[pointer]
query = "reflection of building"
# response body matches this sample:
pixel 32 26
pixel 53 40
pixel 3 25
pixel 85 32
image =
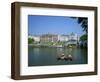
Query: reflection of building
pixel 49 38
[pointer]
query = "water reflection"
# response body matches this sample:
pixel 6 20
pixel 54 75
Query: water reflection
pixel 48 56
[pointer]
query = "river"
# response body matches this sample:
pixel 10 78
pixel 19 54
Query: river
pixel 48 56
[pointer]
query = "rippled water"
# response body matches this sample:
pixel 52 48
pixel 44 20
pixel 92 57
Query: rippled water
pixel 48 56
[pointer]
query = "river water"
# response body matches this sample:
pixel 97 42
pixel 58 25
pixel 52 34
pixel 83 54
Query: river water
pixel 48 56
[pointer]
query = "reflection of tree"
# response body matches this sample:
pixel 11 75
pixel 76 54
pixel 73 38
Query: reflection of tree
pixel 70 50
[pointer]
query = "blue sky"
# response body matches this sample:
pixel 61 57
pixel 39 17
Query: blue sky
pixel 38 25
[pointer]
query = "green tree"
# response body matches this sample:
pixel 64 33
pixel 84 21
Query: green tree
pixel 84 23
pixel 30 40
pixel 83 37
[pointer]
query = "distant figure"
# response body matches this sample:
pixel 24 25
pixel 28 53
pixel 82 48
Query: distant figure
pixel 61 57
pixel 70 56
pixel 62 54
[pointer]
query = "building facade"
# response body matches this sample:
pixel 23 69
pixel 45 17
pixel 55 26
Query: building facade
pixel 49 38
pixel 68 39
pixel 73 36
pixel 63 38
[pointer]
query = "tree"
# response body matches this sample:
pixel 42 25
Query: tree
pixel 83 37
pixel 30 40
pixel 83 40
pixel 84 23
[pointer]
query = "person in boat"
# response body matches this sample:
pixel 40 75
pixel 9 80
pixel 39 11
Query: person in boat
pixel 62 56
pixel 70 57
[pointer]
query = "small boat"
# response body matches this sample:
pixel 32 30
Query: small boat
pixel 63 57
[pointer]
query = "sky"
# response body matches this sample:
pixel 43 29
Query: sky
pixel 38 24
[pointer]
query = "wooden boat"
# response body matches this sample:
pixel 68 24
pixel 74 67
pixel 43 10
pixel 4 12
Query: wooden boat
pixel 63 57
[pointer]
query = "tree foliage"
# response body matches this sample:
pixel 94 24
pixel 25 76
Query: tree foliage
pixel 83 37
pixel 30 40
pixel 84 23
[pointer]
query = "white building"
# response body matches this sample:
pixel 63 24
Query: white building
pixel 49 38
pixel 55 38
pixel 63 38
pixel 70 39
pixel 73 36
pixel 36 38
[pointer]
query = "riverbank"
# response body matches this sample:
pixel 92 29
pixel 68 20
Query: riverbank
pixel 52 46
pixel 57 46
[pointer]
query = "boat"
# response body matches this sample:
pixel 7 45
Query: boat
pixel 63 57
